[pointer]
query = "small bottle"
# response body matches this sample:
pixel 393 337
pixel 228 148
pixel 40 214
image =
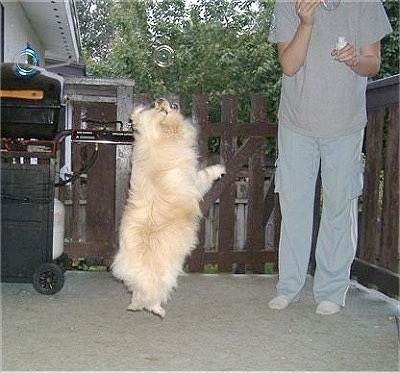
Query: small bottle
pixel 341 43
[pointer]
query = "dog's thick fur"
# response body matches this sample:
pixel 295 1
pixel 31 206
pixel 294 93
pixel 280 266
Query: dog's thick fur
pixel 160 222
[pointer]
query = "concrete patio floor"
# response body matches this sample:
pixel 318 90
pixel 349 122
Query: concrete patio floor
pixel 213 322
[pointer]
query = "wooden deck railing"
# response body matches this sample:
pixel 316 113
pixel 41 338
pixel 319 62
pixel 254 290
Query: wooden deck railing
pixel 377 262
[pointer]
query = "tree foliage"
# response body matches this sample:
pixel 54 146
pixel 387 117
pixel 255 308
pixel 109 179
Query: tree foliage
pixel 390 44
pixel 220 47
pixel 96 28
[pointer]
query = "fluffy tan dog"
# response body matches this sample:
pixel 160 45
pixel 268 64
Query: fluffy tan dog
pixel 160 222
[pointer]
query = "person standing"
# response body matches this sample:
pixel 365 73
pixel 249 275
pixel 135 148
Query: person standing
pixel 321 121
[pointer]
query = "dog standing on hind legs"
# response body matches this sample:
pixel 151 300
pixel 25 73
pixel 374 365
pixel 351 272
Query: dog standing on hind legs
pixel 160 221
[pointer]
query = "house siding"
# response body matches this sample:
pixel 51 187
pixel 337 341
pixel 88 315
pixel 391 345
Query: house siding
pixel 18 32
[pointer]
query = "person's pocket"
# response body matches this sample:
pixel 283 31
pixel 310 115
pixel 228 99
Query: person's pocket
pixel 277 178
pixel 356 181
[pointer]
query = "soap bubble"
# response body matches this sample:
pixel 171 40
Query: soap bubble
pixel 26 62
pixel 330 4
pixel 272 22
pixel 164 56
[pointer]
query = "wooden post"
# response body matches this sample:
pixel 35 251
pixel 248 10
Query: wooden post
pixel 76 162
pixel 373 148
pixel 228 146
pixel 200 119
pixel 255 226
pixel 389 243
pixel 123 154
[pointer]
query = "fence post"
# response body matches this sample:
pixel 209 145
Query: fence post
pixel 123 154
pixel 369 245
pixel 76 184
pixel 389 243
pixel 228 146
pixel 255 227
pixel 200 119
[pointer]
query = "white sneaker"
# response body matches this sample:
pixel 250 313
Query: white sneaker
pixel 279 303
pixel 327 308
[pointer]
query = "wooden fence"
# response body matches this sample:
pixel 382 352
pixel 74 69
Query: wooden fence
pixel 240 231
pixel 377 262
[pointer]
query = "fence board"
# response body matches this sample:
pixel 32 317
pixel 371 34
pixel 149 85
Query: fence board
pixel 228 146
pixel 390 212
pixel 255 227
pixel 369 249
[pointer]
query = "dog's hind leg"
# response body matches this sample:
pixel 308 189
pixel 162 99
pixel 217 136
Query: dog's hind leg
pixel 157 310
pixel 135 305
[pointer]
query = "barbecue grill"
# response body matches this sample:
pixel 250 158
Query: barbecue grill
pixel 32 220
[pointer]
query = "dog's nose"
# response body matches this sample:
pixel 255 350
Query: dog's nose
pixel 163 106
pixel 160 101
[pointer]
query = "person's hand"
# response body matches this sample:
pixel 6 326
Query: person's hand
pixel 305 10
pixel 348 55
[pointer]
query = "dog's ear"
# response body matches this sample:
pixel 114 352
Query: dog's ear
pixel 135 114
pixel 162 105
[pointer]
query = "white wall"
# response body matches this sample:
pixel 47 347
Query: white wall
pixel 18 32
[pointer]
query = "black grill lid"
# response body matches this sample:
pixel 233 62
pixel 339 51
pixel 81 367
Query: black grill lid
pixel 38 87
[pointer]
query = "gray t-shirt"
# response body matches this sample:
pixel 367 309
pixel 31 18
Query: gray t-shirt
pixel 326 98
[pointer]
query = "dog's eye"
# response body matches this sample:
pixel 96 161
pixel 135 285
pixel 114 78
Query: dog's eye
pixel 175 106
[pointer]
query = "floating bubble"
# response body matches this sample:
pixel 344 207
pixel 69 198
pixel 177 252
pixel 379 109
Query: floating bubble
pixel 26 62
pixel 330 4
pixel 272 22
pixel 164 56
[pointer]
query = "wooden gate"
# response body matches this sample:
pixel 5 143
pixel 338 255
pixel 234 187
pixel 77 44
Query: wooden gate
pixel 93 202
pixel 89 199
pixel 242 152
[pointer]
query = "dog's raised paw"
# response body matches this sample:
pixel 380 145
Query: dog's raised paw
pixel 219 170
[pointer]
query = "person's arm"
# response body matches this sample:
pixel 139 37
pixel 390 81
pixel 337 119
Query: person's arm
pixel 365 62
pixel 293 54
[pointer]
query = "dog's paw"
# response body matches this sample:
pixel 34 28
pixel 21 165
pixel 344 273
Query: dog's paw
pixel 158 310
pixel 135 306
pixel 219 170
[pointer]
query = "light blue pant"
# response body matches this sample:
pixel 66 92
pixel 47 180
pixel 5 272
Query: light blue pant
pixel 299 159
